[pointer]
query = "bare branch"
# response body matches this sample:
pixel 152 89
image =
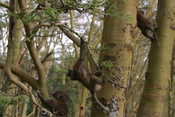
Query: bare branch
pixel 30 30
pixel 24 76
pixel 21 57
pixel 70 34
pixel 47 57
pixel 36 60
pixel 36 103
pixel 15 79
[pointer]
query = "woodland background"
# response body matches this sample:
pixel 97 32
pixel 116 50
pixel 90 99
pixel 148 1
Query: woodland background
pixel 41 40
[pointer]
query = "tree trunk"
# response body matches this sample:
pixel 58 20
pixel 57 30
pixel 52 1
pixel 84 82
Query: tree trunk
pixel 116 57
pixel 172 86
pixel 155 98
pixel 15 36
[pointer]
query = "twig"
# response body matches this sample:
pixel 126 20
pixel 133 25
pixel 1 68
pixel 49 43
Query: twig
pixel 47 57
pixel 37 104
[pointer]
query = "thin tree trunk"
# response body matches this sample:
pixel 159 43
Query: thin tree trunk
pixel 155 100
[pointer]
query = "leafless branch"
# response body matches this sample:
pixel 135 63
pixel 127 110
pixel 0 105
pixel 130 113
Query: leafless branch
pixel 70 34
pixel 24 76
pixel 30 44
pixel 35 102
pixel 22 56
pixel 47 57
pixel 15 79
pixel 36 60
pixel 21 75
